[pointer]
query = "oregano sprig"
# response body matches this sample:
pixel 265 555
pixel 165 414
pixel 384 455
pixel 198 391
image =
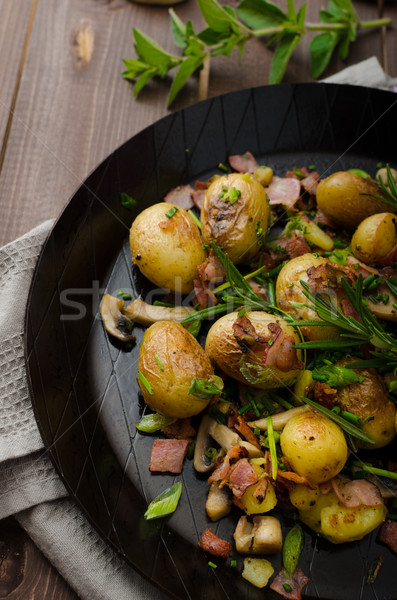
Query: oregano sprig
pixel 228 29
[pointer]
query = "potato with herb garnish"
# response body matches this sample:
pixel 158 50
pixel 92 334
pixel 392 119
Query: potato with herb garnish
pixel 166 245
pixel 375 237
pixel 235 215
pixel 175 375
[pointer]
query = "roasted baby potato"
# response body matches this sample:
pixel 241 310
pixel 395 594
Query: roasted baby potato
pixel 228 355
pixel 314 446
pixel 375 237
pixel 235 212
pixel 169 359
pixel 167 249
pixel 370 400
pixel 346 198
pixel 289 291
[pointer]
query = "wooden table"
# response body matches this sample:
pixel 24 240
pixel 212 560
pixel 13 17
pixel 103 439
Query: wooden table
pixel 64 107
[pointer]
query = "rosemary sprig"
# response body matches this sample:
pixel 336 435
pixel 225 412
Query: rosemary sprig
pixel 352 331
pixel 389 190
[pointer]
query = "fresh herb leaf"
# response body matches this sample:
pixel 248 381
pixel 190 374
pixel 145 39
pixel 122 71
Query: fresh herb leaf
pixel 292 548
pixel 336 376
pixel 165 503
pixel 282 55
pixel 127 201
pixel 153 422
pixel 260 14
pixel 321 49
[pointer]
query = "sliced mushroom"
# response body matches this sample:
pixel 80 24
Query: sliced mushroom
pixel 145 314
pixel 116 322
pixel 219 502
pixel 381 310
pixel 262 536
pixel 280 420
pixel 201 462
pixel 227 438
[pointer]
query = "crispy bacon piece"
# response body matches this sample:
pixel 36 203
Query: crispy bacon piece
pixel 296 581
pixel 327 275
pixel 295 478
pixel 211 543
pixel 388 535
pixel 243 163
pixel 349 310
pixel 281 354
pixel 285 191
pixel 296 246
pixel 205 296
pixel 246 431
pixel 222 471
pixel 320 217
pixel 310 183
pixel 245 333
pixel 325 395
pixel 357 493
pixel 258 289
pixel 241 476
pixel 180 196
pixel 361 269
pixel 180 430
pixel 168 455
pixel 211 269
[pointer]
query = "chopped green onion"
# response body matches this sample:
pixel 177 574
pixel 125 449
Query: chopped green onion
pixel 223 167
pixel 352 418
pixel 159 363
pixel 360 172
pixel 154 422
pixel 190 450
pixel 281 401
pixel 161 303
pixel 257 431
pixel 271 292
pixel 287 587
pixel 121 293
pixel 145 382
pixel 127 201
pixel 165 503
pixel 211 453
pixel 292 548
pixel 272 446
pixel 212 565
pixel 127 296
pixel 233 563
pixel 195 219
pixel 171 212
pixel 205 389
pixel 244 408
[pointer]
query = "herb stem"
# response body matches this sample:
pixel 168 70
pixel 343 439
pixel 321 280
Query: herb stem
pixel 204 78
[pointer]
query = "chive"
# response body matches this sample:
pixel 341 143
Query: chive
pixel 161 303
pixel 395 305
pixel 224 188
pixel 326 254
pixel 287 587
pixel 190 450
pixel 158 361
pixel 268 405
pixel 385 298
pixel 368 280
pixel 272 446
pixel 171 212
pixel 336 410
pixel 244 408
pixel 211 453
pixel 233 563
pixel 375 470
pixel 281 401
pixel 212 565
pixel 223 167
pixel 145 382
pixel 272 274
pixel 206 388
pixel 127 201
pixel 352 418
pixel 127 296
pixel 372 286
pixel 120 293
pixel 153 422
pixel 271 292
pixel 257 431
pixel 255 408
pixel 195 219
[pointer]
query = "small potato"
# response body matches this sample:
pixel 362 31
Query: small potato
pixel 224 350
pixel 255 507
pixel 346 198
pixel 167 250
pixel 257 571
pixel 314 446
pixel 304 498
pixel 375 237
pixel 369 399
pixel 234 212
pixel 341 524
pixel 169 358
pixel 312 517
pixel 289 291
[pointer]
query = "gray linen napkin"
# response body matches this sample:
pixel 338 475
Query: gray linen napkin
pixel 30 486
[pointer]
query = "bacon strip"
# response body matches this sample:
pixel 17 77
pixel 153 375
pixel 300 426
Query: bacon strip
pixel 246 431
pixel 211 543
pixel 181 196
pixel 295 478
pixel 357 493
pixel 281 354
pixel 168 455
pixel 243 163
pixel 296 581
pixel 222 471
pixel 285 191
pixel 388 535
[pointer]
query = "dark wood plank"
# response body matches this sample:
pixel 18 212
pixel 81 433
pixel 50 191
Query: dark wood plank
pixel 388 8
pixel 24 572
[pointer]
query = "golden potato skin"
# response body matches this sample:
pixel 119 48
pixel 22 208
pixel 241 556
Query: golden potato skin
pixel 233 226
pixel 289 291
pixel 375 237
pixel 168 256
pixel 314 446
pixel 225 352
pixel 342 197
pixel 182 358
pixel 370 399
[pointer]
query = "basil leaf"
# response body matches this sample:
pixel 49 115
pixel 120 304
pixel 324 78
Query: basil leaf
pixel 282 55
pixel 260 14
pixel 321 49
pixel 165 503
pixel 186 69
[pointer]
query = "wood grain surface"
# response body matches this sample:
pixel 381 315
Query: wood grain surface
pixel 64 107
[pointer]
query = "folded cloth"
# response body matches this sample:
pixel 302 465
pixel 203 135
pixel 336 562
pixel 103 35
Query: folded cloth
pixel 30 486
